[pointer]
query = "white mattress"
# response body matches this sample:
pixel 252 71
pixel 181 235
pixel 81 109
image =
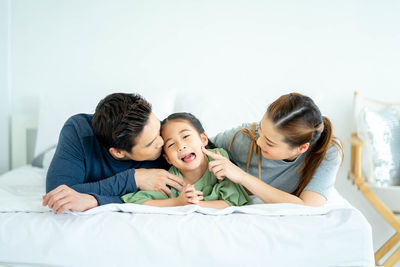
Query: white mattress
pixel 130 235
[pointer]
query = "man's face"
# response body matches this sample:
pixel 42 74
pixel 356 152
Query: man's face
pixel 149 143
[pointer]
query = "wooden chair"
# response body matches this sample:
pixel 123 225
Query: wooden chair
pixel 364 186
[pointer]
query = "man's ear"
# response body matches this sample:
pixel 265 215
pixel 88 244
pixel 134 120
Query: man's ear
pixel 204 139
pixel 167 158
pixel 303 148
pixel 116 153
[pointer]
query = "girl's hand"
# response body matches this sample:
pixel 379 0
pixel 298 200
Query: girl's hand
pixel 190 195
pixel 223 167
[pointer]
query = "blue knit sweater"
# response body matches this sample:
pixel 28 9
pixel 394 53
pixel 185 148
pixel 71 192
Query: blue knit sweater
pixel 81 163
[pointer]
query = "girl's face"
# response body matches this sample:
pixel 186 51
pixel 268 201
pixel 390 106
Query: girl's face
pixel 272 145
pixel 182 145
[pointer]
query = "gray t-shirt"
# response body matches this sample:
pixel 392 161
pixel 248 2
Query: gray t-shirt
pixel 278 173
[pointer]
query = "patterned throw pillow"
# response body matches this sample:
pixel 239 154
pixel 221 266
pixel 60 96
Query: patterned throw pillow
pixel 380 131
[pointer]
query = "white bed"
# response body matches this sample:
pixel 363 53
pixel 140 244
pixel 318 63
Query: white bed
pixel 129 234
pixel 336 234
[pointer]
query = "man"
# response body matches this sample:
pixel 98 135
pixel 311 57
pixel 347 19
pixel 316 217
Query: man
pixel 103 156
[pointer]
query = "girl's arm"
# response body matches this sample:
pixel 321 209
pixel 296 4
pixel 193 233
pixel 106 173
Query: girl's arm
pixel 223 167
pixel 189 195
pixel 216 204
pixel 173 202
pixel 170 202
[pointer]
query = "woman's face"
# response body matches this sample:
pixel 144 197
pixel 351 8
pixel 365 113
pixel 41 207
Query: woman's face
pixel 182 145
pixel 271 142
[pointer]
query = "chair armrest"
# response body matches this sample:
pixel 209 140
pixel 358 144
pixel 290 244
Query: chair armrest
pixel 355 166
pixel 355 140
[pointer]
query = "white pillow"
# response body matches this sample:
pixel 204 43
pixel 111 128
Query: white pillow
pixel 220 111
pixel 55 109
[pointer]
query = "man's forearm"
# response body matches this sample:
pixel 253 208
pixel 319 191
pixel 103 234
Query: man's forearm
pixel 103 200
pixel 117 185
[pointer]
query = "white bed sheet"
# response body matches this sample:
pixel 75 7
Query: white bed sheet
pixel 128 234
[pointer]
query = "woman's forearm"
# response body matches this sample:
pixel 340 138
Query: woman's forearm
pixel 267 193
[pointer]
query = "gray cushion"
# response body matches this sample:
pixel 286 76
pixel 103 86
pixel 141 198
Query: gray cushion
pixel 380 130
pixel 43 160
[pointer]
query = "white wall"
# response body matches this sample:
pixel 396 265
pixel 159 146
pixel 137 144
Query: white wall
pixel 4 95
pixel 325 49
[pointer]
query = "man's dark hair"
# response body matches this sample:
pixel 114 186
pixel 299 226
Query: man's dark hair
pixel 119 118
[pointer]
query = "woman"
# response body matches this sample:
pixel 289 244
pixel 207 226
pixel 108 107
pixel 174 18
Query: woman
pixel 298 156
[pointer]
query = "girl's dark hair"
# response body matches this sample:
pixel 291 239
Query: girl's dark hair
pixel 119 118
pixel 300 121
pixel 188 117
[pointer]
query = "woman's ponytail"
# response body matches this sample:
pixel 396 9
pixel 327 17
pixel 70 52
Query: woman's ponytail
pixel 300 121
pixel 317 154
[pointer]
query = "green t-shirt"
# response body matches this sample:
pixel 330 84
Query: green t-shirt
pixel 212 188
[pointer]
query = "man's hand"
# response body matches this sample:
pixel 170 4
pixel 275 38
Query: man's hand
pixel 157 180
pixel 65 198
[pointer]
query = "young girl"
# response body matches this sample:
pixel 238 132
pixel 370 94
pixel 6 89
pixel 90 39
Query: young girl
pixel 298 156
pixel 184 138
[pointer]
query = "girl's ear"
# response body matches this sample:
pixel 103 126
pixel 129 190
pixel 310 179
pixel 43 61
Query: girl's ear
pixel 167 158
pixel 204 139
pixel 303 148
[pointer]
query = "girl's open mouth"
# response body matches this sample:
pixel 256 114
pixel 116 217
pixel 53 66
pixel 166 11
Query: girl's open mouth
pixel 187 158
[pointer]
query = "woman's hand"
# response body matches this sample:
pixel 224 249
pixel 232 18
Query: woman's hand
pixel 223 167
pixel 189 195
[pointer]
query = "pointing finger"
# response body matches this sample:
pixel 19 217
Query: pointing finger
pixel 211 154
